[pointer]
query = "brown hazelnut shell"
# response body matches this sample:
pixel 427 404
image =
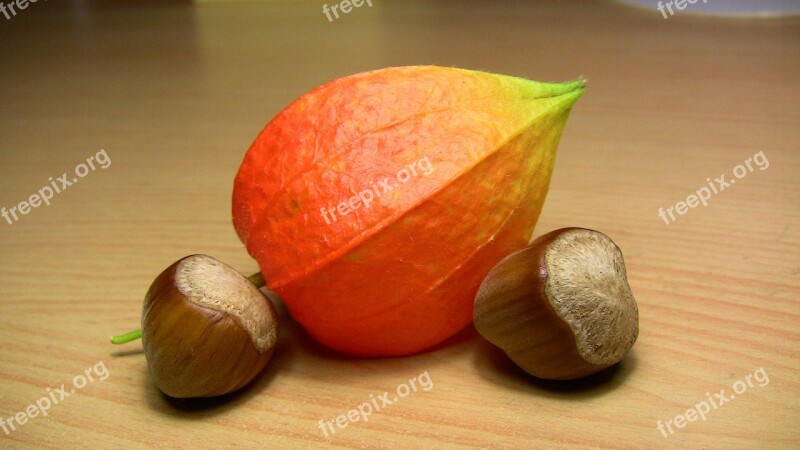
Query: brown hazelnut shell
pixel 196 351
pixel 512 311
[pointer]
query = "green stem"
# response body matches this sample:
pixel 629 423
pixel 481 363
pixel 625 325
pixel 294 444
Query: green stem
pixel 257 279
pixel 127 337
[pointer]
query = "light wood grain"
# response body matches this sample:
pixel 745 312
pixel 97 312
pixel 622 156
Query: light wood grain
pixel 175 95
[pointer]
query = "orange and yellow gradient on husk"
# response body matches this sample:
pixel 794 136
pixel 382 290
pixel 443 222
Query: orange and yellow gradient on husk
pixel 399 276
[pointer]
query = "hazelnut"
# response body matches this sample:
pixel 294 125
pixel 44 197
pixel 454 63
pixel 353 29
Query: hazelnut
pixel 206 329
pixel 560 308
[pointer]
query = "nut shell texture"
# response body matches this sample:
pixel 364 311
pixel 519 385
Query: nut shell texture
pixel 561 308
pixel 195 348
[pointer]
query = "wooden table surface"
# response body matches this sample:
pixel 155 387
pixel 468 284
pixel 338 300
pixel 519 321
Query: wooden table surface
pixel 174 95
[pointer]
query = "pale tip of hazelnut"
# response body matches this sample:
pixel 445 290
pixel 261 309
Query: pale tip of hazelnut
pixel 212 284
pixel 587 285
